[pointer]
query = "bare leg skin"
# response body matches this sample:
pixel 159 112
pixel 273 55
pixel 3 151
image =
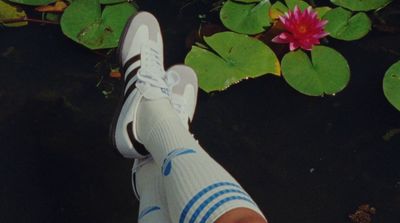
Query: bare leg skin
pixel 241 215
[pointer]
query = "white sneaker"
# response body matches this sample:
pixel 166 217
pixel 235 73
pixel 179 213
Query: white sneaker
pixel 141 58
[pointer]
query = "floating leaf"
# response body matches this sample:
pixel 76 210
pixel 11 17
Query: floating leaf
pixel 78 18
pixel 248 1
pixel 232 58
pixel 292 3
pixel 9 12
pixel 391 85
pixel 361 5
pixel 251 18
pixel 326 73
pixel 33 2
pixel 84 22
pixel 321 11
pixel 104 2
pixel 116 16
pixel 342 25
pixel 277 9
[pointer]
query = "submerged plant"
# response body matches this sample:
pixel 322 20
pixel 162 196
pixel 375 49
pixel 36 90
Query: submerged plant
pixel 303 29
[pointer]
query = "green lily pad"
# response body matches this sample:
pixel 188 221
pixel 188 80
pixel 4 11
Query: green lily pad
pixel 321 11
pixel 292 3
pixel 326 73
pixel 8 11
pixel 391 85
pixel 232 58
pixel 248 1
pixel 361 5
pixel 33 2
pixel 84 22
pixel 277 9
pixel 105 2
pixel 249 18
pixel 345 26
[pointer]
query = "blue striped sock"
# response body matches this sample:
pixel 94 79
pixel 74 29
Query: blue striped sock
pixel 197 188
pixel 150 190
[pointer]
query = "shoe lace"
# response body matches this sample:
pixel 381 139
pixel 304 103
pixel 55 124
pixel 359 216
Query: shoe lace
pixel 151 67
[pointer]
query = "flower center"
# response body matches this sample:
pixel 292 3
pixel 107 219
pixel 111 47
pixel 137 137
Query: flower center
pixel 302 29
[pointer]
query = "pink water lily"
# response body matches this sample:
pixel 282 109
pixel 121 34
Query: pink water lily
pixel 302 29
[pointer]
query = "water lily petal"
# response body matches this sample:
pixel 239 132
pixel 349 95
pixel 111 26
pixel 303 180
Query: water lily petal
pixel 293 46
pixel 302 29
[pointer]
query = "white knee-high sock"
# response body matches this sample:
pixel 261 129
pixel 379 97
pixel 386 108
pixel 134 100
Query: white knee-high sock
pixel 153 205
pixel 197 188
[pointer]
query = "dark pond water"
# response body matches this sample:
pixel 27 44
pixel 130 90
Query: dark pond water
pixel 303 159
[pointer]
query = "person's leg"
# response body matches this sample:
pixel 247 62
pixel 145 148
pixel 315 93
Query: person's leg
pixel 147 183
pixel 197 188
pixel 153 205
pixel 241 215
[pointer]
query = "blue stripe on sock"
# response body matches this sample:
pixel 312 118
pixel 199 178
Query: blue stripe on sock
pixel 199 195
pixel 220 203
pixel 210 199
pixel 167 165
pixel 148 210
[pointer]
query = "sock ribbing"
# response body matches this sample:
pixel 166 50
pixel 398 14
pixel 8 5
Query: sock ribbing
pixel 167 135
pixel 153 205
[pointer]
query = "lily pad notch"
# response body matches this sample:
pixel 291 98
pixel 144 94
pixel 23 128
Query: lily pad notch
pixel 246 16
pixel 86 23
pixel 325 73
